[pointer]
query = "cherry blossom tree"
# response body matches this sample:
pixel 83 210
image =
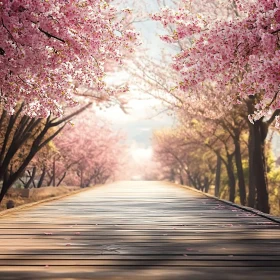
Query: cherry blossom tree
pixel 243 50
pixel 51 52
pixel 239 50
pixel 160 82
pixel 90 152
pixel 37 171
pixel 51 49
pixel 183 158
pixel 86 152
pixel 22 137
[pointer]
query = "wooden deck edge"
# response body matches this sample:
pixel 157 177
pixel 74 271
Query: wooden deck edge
pixel 49 199
pixel 246 208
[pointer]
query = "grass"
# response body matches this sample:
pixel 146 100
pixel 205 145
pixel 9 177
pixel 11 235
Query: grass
pixel 49 193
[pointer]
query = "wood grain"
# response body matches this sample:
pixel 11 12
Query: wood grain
pixel 138 230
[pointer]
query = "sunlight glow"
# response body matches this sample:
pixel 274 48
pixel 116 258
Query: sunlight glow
pixel 140 154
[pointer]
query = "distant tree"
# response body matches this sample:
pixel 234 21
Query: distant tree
pixel 90 152
pixel 185 159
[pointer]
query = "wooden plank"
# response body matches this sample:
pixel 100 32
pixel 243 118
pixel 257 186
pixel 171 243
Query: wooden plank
pixel 139 273
pixel 128 228
pixel 171 257
pixel 31 242
pixel 139 262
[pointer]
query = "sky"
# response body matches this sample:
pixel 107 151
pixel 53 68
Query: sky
pixel 138 124
pixel 142 117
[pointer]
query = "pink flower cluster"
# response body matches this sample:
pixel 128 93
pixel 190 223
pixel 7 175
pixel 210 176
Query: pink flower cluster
pixel 91 148
pixel 47 48
pixel 242 51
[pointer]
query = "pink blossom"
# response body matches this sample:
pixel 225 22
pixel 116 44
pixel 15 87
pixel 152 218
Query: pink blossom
pixel 240 49
pixel 50 48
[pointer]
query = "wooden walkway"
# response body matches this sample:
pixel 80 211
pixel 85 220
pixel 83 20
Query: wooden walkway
pixel 138 230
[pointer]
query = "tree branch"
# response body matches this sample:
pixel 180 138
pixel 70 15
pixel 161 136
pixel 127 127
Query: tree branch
pixel 52 124
pixel 50 35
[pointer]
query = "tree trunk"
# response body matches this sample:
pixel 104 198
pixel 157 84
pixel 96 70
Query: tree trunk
pixel 193 180
pixel 259 166
pixel 252 185
pixel 172 175
pixel 39 185
pixel 82 179
pixel 61 179
pixel 199 183
pixel 231 178
pixel 257 162
pixel 5 186
pixel 240 173
pixel 181 179
pixel 32 175
pixel 218 176
pixel 2 193
pixel 206 184
pixel 53 178
pixel 49 183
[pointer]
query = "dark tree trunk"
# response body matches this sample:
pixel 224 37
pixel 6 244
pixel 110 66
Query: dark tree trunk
pixel 53 177
pixel 61 179
pixel 31 179
pixel 258 168
pixel 218 176
pixel 3 117
pixel 199 184
pixel 8 132
pixel 240 173
pixel 172 175
pixel 206 184
pixel 231 177
pixel 82 180
pixel 40 183
pixel 50 180
pixel 3 192
pixel 181 179
pixel 5 186
pixel 259 165
pixel 252 185
pixel 193 180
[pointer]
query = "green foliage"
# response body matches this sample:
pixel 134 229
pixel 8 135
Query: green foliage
pixel 273 176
